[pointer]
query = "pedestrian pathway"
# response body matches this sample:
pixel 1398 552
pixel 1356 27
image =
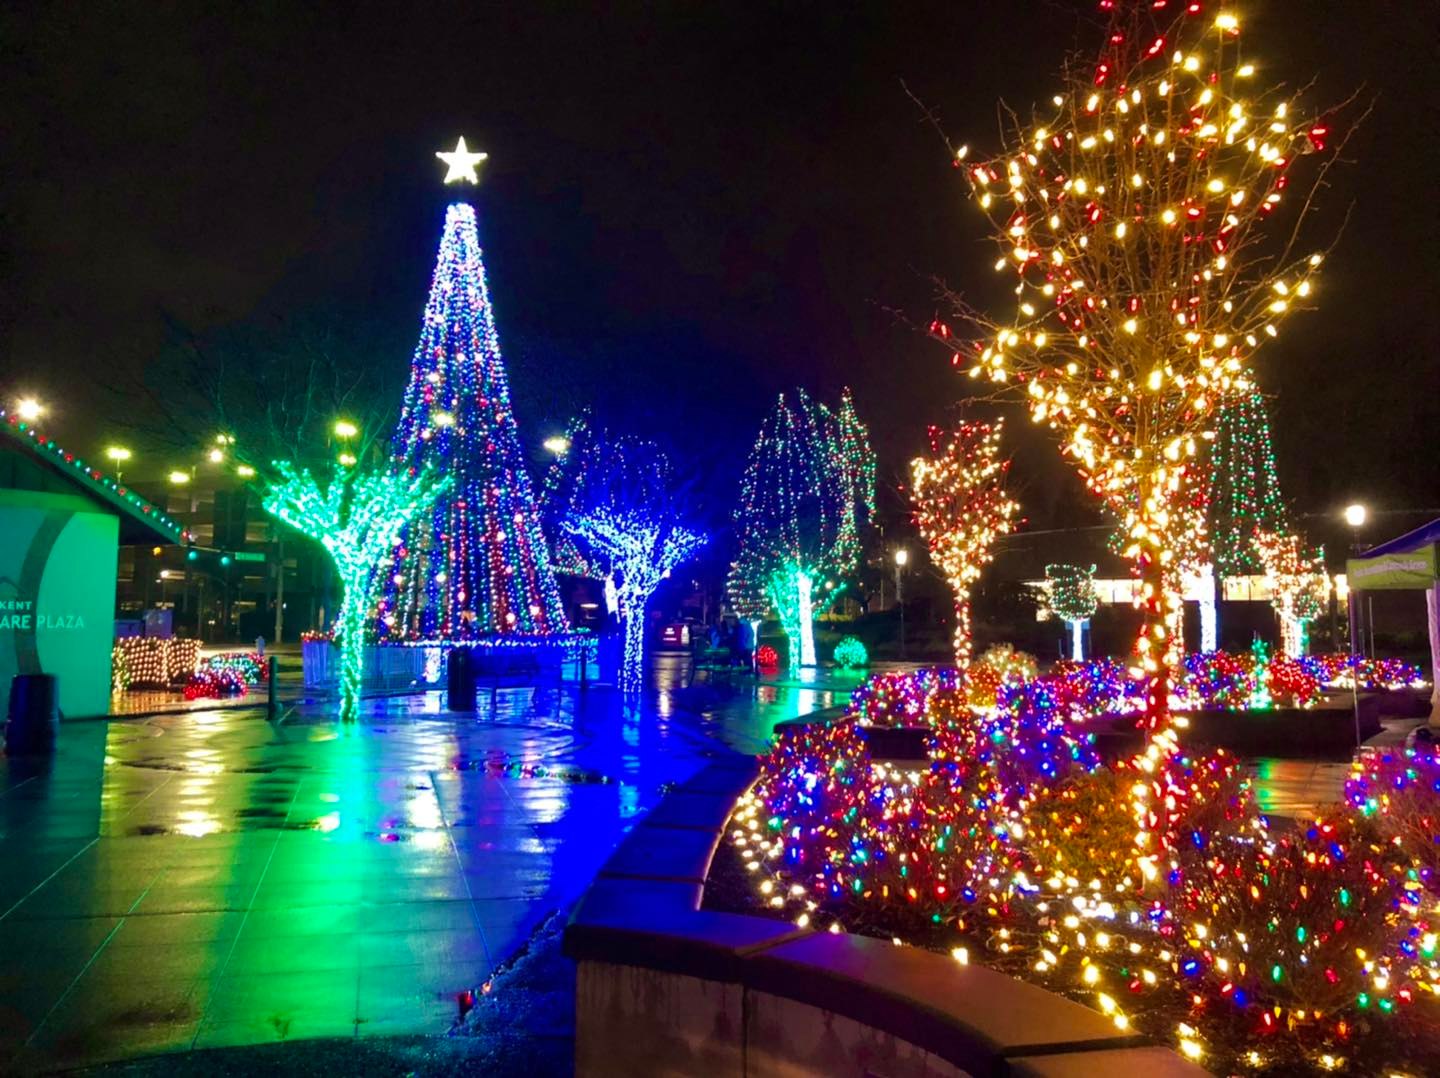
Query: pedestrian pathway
pixel 211 879
pixel 208 878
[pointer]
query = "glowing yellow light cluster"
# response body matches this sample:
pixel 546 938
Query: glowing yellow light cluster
pixel 1299 585
pixel 961 509
pixel 1134 217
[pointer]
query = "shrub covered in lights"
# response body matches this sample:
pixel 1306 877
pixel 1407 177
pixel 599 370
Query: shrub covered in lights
pixel 215 683
pixel 850 654
pixel 1013 844
pixel 1342 670
pixel 1400 791
pixel 766 657
pixel 249 666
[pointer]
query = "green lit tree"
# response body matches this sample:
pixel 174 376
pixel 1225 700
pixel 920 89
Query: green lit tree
pixel 808 489
pixel 357 518
pixel 1072 597
pixel 1243 490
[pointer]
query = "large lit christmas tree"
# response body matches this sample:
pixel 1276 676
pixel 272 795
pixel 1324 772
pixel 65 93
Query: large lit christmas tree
pixel 476 565
pixel 1243 489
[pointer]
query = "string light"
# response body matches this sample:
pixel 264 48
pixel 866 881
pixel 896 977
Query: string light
pixel 1299 585
pixel 357 518
pixel 1127 342
pixel 850 654
pixel 1013 842
pixel 808 489
pixel 477 565
pixel 961 508
pixel 616 498
pixel 91 477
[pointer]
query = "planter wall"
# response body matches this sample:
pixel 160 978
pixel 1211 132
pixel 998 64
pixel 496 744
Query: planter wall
pixel 664 987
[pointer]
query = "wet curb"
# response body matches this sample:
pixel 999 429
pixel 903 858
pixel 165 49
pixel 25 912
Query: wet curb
pixel 664 986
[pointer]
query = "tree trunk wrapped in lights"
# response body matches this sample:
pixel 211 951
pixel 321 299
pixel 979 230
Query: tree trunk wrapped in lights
pixel 1299 586
pixel 358 519
pixel 1140 211
pixel 961 508
pixel 808 489
pixel 1072 597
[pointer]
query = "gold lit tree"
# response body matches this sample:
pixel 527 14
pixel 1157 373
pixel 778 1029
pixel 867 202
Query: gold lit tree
pixel 1152 216
pixel 1299 585
pixel 961 508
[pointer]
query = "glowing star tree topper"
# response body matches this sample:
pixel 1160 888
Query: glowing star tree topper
pixel 807 491
pixel 1151 217
pixel 961 509
pixel 618 500
pixel 357 519
pixel 461 162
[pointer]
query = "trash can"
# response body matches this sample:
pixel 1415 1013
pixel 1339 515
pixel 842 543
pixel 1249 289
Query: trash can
pixel 33 720
pixel 460 680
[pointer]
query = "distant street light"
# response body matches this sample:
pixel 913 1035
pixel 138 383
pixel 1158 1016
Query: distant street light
pixel 119 454
pixel 179 478
pixel 29 409
pixel 558 444
pixel 1355 516
pixel 244 471
pixel 345 429
pixel 217 456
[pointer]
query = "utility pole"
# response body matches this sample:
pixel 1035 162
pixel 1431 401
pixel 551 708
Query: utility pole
pixel 901 557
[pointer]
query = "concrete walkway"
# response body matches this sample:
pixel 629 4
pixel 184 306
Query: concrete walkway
pixel 208 879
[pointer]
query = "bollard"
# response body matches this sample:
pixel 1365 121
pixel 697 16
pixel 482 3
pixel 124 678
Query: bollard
pixel 34 715
pixel 459 681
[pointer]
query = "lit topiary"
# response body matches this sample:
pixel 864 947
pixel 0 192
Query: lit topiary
pixel 850 654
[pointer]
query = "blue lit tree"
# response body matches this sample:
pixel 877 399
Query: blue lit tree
pixel 357 518
pixel 616 501
pixel 477 564
pixel 808 490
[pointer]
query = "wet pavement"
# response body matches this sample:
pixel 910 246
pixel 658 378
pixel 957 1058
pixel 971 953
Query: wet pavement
pixel 208 879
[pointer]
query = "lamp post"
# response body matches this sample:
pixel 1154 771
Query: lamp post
pixel 119 454
pixel 29 409
pixel 901 557
pixel 1355 515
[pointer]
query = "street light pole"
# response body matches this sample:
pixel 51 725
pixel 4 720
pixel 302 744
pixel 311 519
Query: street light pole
pixel 901 557
pixel 1355 517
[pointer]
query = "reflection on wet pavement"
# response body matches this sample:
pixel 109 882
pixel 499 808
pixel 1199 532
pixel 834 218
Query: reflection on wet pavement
pixel 207 879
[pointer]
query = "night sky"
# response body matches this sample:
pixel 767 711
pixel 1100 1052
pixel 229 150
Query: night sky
pixel 687 207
